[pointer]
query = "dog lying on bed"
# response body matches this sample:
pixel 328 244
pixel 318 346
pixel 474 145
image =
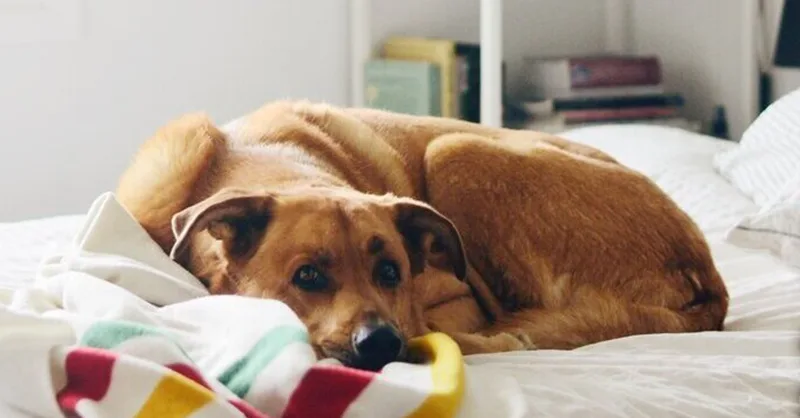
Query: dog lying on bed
pixel 377 227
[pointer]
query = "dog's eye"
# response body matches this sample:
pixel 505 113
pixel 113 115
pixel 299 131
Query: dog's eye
pixel 387 274
pixel 310 279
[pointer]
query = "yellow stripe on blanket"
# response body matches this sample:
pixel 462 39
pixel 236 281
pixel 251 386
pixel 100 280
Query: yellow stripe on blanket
pixel 175 396
pixel 447 372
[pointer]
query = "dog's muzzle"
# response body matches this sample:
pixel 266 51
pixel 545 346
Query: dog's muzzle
pixel 376 344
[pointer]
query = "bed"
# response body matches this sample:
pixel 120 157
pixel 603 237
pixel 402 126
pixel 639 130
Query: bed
pixel 750 370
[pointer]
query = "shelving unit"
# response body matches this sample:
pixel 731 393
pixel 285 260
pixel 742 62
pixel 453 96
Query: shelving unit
pixel 623 34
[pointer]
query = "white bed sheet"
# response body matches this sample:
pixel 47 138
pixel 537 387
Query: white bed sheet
pixel 24 244
pixel 751 370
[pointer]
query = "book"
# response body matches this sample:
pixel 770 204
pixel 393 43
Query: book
pixel 441 52
pixel 468 96
pixel 606 91
pixel 557 125
pixel 411 87
pixel 464 59
pixel 550 106
pixel 588 115
pixel 459 85
pixel 557 76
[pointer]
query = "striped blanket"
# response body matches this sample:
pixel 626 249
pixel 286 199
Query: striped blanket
pixel 113 328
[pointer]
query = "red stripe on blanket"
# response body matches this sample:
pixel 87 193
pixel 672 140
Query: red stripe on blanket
pixel 88 377
pixel 327 392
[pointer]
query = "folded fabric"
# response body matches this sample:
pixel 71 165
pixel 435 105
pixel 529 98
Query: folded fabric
pixel 113 328
pixel 775 228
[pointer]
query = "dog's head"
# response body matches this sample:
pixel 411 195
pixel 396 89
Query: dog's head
pixel 342 260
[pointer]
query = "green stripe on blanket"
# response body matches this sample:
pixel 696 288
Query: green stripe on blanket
pixel 109 334
pixel 240 375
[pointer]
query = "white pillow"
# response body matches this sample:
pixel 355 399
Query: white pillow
pixel 775 228
pixel 768 155
pixel 650 149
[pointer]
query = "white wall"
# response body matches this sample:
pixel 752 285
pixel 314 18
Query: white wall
pixel 530 27
pixel 707 52
pixel 73 112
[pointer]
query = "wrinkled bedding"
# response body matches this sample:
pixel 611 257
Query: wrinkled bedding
pixel 750 370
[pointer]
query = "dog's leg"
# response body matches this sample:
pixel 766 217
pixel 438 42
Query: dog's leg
pixel 499 342
pixel 592 316
pixel 591 319
pixel 587 323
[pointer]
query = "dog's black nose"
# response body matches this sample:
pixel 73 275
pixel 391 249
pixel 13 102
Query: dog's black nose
pixel 377 344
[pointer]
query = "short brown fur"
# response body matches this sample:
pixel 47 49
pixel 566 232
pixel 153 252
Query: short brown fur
pixel 559 244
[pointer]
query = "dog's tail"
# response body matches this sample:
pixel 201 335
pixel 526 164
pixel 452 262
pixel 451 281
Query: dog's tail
pixel 165 173
pixel 709 307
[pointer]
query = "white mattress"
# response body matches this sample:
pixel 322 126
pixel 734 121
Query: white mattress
pixel 24 244
pixel 750 370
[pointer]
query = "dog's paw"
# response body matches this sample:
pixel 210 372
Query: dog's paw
pixel 493 343
pixel 515 340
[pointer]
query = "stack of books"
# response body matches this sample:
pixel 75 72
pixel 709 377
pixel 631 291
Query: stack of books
pixel 425 76
pixel 568 92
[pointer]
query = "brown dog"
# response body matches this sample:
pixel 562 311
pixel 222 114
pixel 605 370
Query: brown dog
pixel 363 221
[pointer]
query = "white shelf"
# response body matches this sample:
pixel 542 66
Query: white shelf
pixel 491 56
pixel 360 48
pixel 492 63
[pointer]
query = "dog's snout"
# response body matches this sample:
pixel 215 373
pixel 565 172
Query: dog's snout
pixel 377 344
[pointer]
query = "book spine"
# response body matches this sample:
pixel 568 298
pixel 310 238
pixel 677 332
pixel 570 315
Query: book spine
pixel 459 81
pixel 434 91
pixel 403 86
pixel 605 91
pixel 613 71
pixel 559 125
pixel 589 115
pixel 671 100
pixel 439 52
pixel 469 94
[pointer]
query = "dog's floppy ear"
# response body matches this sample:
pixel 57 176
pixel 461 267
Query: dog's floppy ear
pixel 416 219
pixel 238 218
